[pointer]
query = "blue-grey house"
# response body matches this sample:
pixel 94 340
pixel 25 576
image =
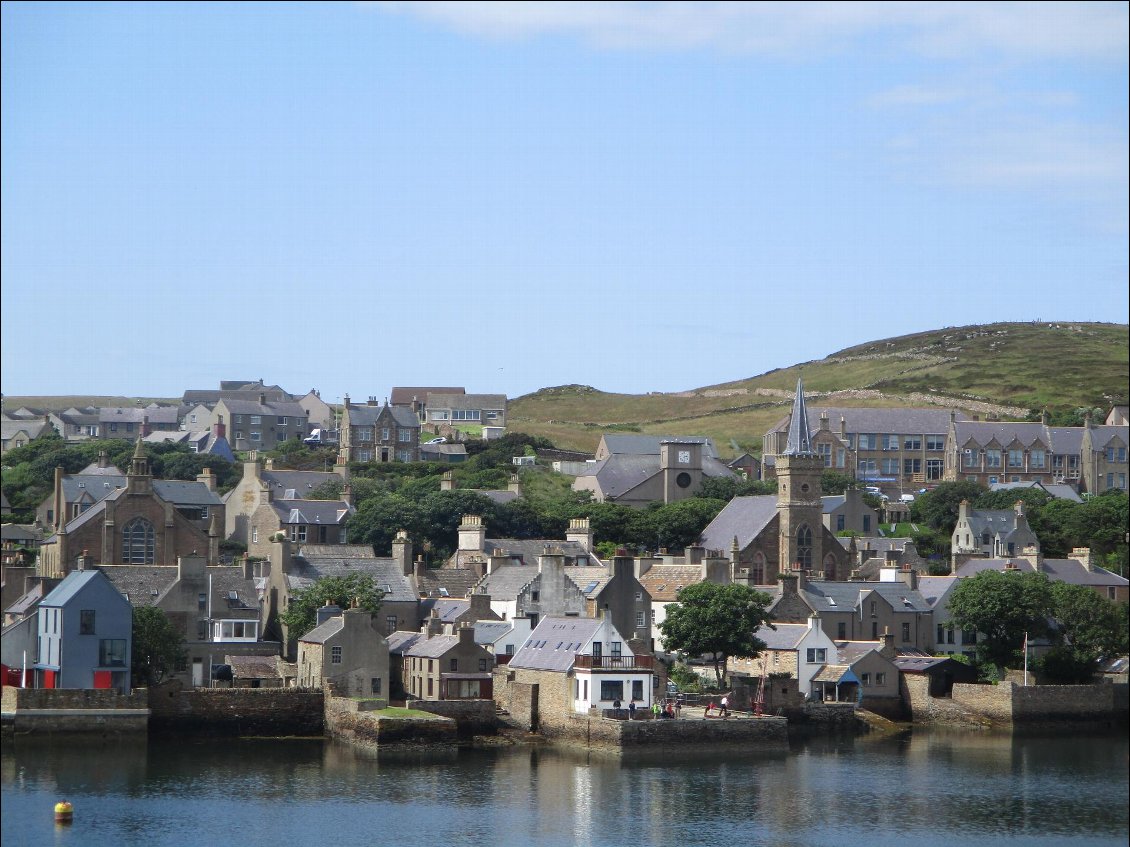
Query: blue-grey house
pixel 85 634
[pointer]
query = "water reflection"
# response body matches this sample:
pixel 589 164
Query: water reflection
pixel 986 789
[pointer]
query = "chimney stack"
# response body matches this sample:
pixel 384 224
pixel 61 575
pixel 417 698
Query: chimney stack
pixel 580 532
pixel 326 612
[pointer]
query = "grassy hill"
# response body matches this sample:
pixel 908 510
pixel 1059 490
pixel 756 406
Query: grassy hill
pixel 1001 369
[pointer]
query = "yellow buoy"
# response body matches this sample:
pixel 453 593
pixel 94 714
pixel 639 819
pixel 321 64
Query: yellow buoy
pixel 64 812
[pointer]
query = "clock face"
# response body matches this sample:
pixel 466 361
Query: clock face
pixel 684 457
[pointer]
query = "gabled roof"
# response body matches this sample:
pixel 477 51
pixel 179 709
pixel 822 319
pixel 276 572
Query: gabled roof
pixel 488 632
pixel 648 445
pixel 1058 491
pixel 135 414
pixel 819 595
pixel 72 585
pixel 281 408
pixel 664 581
pixel 934 588
pixel 921 421
pixel 620 473
pixel 1003 433
pixel 992 520
pixel 1070 571
pixel 182 493
pixel 527 550
pixel 316 561
pixel 402 640
pixel 142 585
pixel 505 583
pixel 786 636
pixel 96 486
pixel 446 610
pixel 559 640
pixel 744 517
pixel 326 629
pixel 850 652
pixel 367 415
pixel 404 395
pixel 438 400
pixel 1101 436
pixel 312 512
pixel 29 600
pixel 456 582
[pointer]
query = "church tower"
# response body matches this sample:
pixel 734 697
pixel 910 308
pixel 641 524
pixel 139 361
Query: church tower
pixel 799 507
pixel 139 478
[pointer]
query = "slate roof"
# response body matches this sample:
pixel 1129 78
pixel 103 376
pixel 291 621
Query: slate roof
pixel 326 629
pixel 834 673
pixel 316 561
pixel 404 395
pixel 1066 440
pixel 527 550
pixel 94 469
pixel 1101 436
pixel 880 544
pixel 447 610
pixel 142 585
pixel 440 400
pixel 920 421
pixel 850 652
pixel 934 588
pixel 325 512
pixel 1002 432
pixel 181 493
pixel 135 414
pixel 847 595
pixel 589 580
pixel 443 450
pixel 70 587
pixel 786 636
pixel 33 428
pixel 558 640
pixel 402 640
pixel 744 517
pixel 367 415
pixel 664 581
pixel 234 597
pixel 254 667
pixel 457 582
pixel 500 497
pixel 1057 490
pixel 919 664
pixel 488 632
pixel 17 532
pixel 506 582
pixel 1070 571
pixel 96 485
pixel 832 502
pixel 29 600
pixel 648 445
pixel 621 473
pixel 993 521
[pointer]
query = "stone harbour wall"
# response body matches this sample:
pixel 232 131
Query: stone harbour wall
pixel 237 711
pixel 35 711
pixel 370 730
pixel 472 717
pixel 1008 704
pixel 765 734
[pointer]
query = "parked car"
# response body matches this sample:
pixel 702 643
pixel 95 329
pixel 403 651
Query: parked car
pixel 440 440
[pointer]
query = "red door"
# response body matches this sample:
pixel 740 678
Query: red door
pixel 49 679
pixel 102 679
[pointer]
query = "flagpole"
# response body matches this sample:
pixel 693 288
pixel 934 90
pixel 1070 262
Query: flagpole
pixel 1026 660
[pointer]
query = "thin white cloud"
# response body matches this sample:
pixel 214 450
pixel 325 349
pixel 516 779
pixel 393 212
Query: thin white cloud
pixel 1030 30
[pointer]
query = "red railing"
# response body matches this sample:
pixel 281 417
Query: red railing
pixel 606 663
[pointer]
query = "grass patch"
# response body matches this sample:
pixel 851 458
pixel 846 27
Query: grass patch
pixel 401 712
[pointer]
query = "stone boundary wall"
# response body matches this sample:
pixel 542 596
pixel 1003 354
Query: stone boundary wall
pixel 236 711
pixel 1007 704
pixel 892 708
pixel 72 698
pixel 74 710
pixel 766 734
pixel 472 717
pixel 369 730
pixel 829 713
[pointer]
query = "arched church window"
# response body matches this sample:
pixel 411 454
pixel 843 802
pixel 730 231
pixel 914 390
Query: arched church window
pixel 804 547
pixel 757 571
pixel 138 542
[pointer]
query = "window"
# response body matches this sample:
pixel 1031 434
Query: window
pixel 86 622
pixel 825 452
pixel 841 457
pixel 298 533
pixel 841 631
pixel 254 535
pixel 906 631
pixel 364 434
pixel 637 689
pixel 112 652
pixel 890 442
pixel 482 665
pixel 841 522
pixel 865 678
pixel 935 442
pixel 201 602
pixel 375 685
pixel 404 455
pixel 335 655
pixel 192 418
pixel 816 655
pixel 912 442
pixel 256 435
pixel 615 648
pixel 281 420
pixel 941 634
pixel 256 419
pixel 866 523
pixel 404 435
pixel 890 467
pixel 384 433
pixel 641 619
pixel 138 542
pixel 534 595
pixel 238 435
pixel 1016 458
pixel 868 440
pixel 969 636
pixel 429 686
pixel 993 458
pixel 970 458
pixel 804 546
pixel 465 414
pixel 454 666
pixel 880 678
pixel 611 689
pixel 911 466
pixel 1037 458
pixel 390 623
pixel 867 467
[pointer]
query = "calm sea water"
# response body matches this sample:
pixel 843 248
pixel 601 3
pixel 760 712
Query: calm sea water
pixel 931 788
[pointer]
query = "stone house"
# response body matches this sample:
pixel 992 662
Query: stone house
pixel 848 512
pixel 1103 457
pixel 581 665
pixel 455 613
pixel 502 638
pixel 85 633
pixel 663 580
pixel 434 666
pixel 375 433
pixel 347 651
pixel 477 552
pixel 243 500
pixel 791 648
pixel 75 493
pixel 321 522
pixel 131 423
pixel 992 533
pixel 76 424
pixel 257 424
pixel 319 413
pixel 416 398
pixel 20 433
pixel 146 522
pixel 862 672
pixel 857 611
pixel 988 452
pixel 1078 569
pixel 456 409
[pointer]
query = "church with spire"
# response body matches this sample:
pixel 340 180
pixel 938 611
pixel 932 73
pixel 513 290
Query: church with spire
pixel 771 536
pixel 147 521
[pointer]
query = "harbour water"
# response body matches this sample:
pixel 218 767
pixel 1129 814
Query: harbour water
pixel 929 788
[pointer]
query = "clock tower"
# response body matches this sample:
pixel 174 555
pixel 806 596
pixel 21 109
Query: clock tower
pixel 680 466
pixel 799 507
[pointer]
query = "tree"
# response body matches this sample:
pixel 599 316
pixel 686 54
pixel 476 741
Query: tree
pixel 717 621
pixel 1002 607
pixel 938 508
pixel 158 646
pixel 1088 627
pixel 301 613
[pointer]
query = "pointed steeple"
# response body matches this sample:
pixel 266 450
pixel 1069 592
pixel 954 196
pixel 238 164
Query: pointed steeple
pixel 139 464
pixel 800 438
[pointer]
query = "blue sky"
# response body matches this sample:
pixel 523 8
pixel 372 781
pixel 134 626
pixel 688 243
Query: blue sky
pixel 508 196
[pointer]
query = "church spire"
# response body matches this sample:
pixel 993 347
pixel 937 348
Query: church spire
pixel 139 464
pixel 800 438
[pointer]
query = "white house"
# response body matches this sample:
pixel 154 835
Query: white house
pixel 594 654
pixel 502 638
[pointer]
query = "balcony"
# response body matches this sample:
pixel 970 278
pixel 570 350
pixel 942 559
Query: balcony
pixel 619 663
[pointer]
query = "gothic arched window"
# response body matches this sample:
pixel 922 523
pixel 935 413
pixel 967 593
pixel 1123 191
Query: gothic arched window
pixel 138 541
pixel 804 547
pixel 757 571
